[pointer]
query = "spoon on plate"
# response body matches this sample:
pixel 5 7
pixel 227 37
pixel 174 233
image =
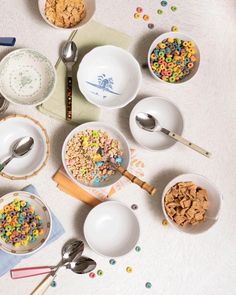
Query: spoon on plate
pixel 69 56
pixel 20 148
pixel 79 265
pixel 151 124
pixel 71 250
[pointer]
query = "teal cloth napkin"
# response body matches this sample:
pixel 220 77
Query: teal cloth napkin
pixel 8 261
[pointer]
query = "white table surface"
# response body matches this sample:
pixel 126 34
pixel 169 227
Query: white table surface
pixel 173 262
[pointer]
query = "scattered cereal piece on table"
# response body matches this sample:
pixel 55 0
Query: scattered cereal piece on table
pixel 134 207
pixel 173 8
pixel 137 16
pixel 148 285
pixel 164 3
pixel 159 11
pixel 164 222
pixel 174 29
pixel 129 269
pixel 139 9
pixel 137 248
pixel 150 26
pixel 100 273
pixel 92 275
pixel 53 284
pixel 146 17
pixel 112 261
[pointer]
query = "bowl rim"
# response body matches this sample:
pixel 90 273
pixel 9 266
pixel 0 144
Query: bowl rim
pixel 47 144
pixel 162 98
pixel 54 73
pixel 50 219
pixel 104 203
pixel 87 126
pixel 175 180
pixel 112 48
pixel 163 36
pixel 79 25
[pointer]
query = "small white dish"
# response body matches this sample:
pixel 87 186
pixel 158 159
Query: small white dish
pixel 90 7
pixel 111 229
pixel 12 128
pixel 214 199
pixel 109 77
pixel 40 209
pixel 26 77
pixel 181 36
pixel 113 133
pixel 168 116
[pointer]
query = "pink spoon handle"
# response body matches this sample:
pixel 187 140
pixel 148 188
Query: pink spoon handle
pixel 19 273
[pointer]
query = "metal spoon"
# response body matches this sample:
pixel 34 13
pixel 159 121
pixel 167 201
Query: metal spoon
pixel 151 124
pixel 69 56
pixel 21 147
pixel 71 250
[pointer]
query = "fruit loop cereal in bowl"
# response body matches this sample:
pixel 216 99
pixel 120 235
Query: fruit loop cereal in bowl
pixel 67 14
pixel 90 152
pixel 25 223
pixel 191 203
pixel 173 57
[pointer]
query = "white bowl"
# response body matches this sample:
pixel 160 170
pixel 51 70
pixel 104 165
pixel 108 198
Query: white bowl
pixel 17 126
pixel 182 37
pixel 111 229
pixel 109 76
pixel 214 199
pixel 41 209
pixel 168 116
pixel 113 133
pixel 26 77
pixel 90 6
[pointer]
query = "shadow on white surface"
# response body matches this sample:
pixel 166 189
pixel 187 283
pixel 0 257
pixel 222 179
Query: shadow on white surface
pixel 79 218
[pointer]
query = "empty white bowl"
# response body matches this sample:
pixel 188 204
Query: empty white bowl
pixel 113 133
pixel 90 7
pixel 40 209
pixel 168 116
pixel 214 200
pixel 109 76
pixel 26 77
pixel 111 229
pixel 181 36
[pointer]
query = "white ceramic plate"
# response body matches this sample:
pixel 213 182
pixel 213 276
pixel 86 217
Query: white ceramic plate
pixel 109 76
pixel 26 77
pixel 182 37
pixel 90 6
pixel 214 199
pixel 17 126
pixel 111 229
pixel 168 116
pixel 113 133
pixel 41 209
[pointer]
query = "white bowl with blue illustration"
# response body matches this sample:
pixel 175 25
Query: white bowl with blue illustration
pixel 26 77
pixel 109 77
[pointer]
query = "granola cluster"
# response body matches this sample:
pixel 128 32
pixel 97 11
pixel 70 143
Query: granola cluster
pixel 65 13
pixel 186 203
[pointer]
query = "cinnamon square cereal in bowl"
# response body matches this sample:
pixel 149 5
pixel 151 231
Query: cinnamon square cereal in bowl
pixel 67 14
pixel 191 203
pixel 90 153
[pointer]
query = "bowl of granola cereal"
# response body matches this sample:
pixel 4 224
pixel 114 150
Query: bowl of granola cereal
pixel 191 203
pixel 67 14
pixel 92 151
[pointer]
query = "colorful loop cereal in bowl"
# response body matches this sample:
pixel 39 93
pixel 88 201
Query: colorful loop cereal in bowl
pixel 191 203
pixel 174 58
pixel 88 151
pixel 67 14
pixel 109 77
pixel 25 223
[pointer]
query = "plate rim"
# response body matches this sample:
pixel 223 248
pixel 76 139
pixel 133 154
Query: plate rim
pixel 46 137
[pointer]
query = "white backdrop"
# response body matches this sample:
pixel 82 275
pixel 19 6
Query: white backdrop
pixel 173 262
